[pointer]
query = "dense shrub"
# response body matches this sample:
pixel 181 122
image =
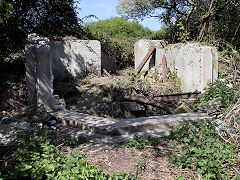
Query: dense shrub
pixel 161 34
pixel 218 89
pixel 118 37
pixel 118 27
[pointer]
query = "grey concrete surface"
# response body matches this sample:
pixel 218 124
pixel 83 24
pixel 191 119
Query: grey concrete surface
pixel 46 60
pixel 154 124
pixel 196 65
pixel 75 57
pixel 39 72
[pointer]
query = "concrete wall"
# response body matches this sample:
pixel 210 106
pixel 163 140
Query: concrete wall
pixel 46 60
pixel 142 47
pixel 75 57
pixel 196 65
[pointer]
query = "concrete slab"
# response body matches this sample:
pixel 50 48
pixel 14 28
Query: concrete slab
pixel 106 139
pixel 149 125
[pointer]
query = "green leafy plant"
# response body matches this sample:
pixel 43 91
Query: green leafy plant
pixel 139 142
pixel 218 89
pixel 133 79
pixel 201 150
pixel 74 141
pixel 140 165
pixel 222 73
pixel 37 158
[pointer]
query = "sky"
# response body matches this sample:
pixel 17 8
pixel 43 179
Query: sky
pixel 105 9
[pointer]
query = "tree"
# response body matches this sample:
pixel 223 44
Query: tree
pixel 198 17
pixel 5 10
pixel 44 17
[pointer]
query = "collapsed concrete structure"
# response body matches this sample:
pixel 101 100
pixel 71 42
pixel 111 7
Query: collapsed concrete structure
pixel 196 65
pixel 45 60
pixel 48 59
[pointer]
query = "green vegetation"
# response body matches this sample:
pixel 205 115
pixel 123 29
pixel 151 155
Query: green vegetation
pixel 38 158
pixel 140 165
pixel 5 9
pixel 205 148
pixel 118 27
pixel 161 34
pixel 190 20
pixel 47 18
pixel 118 37
pixel 218 89
pixel 74 141
pixel 203 151
pixel 139 142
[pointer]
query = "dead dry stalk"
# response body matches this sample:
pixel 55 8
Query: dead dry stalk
pixel 230 126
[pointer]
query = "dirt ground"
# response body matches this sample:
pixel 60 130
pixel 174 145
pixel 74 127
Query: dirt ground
pixel 149 163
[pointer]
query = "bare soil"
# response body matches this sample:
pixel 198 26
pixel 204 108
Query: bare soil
pixel 149 163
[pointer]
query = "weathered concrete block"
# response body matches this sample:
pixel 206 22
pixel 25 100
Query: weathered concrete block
pixel 39 72
pixel 196 65
pixel 75 57
pixel 44 76
pixel 142 47
pixel 31 74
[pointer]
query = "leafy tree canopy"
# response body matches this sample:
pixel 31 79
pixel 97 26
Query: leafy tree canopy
pixel 117 38
pixel 200 18
pixel 118 27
